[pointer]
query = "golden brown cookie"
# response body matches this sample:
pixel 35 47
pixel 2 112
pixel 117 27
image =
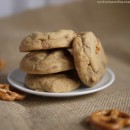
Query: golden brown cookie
pixel 46 62
pixel 57 83
pixel 89 58
pixel 45 41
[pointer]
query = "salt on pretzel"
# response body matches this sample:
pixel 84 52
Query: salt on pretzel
pixel 109 119
pixel 6 94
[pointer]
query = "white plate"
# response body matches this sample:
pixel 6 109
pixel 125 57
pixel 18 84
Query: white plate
pixel 16 78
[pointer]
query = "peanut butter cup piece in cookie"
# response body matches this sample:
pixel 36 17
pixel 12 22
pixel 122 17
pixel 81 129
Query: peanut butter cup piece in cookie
pixel 46 62
pixel 57 83
pixel 89 58
pixel 45 41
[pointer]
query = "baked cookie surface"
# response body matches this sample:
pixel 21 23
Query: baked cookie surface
pixel 57 83
pixel 89 58
pixel 46 62
pixel 45 41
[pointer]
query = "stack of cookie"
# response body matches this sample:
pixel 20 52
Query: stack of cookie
pixel 51 67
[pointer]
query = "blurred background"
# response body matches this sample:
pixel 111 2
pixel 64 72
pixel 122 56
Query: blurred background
pixel 11 7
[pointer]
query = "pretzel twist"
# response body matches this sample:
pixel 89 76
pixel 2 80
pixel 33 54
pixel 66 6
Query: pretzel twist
pixel 6 94
pixel 2 63
pixel 109 119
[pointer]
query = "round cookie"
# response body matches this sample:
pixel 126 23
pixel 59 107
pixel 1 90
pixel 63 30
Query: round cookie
pixel 89 58
pixel 46 62
pixel 57 83
pixel 45 41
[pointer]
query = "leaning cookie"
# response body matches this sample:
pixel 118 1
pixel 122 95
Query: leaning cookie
pixel 57 83
pixel 46 62
pixel 45 41
pixel 89 58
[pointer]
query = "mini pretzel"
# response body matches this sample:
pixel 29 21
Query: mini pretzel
pixel 6 94
pixel 4 86
pixel 109 119
pixel 1 64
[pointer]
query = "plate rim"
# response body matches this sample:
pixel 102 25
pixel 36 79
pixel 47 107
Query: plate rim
pixel 67 94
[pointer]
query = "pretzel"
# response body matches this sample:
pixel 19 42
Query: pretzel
pixel 4 86
pixel 109 119
pixel 1 64
pixel 6 94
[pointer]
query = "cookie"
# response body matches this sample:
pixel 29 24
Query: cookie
pixel 89 58
pixel 45 41
pixel 57 83
pixel 46 62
